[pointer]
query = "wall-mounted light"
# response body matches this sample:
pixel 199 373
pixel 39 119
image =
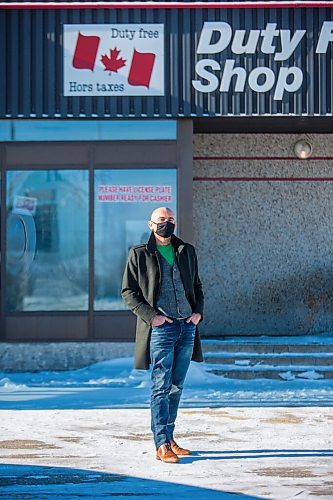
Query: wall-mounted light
pixel 303 149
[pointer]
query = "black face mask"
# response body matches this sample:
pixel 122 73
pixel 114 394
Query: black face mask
pixel 165 229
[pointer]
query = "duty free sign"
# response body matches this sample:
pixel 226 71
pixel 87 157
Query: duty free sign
pixel 129 59
pixel 113 60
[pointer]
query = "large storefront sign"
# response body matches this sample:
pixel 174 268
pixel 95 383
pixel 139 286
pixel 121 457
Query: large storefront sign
pixel 113 60
pixel 217 38
pixel 128 59
pixel 170 62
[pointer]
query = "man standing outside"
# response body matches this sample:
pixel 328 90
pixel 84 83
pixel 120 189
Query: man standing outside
pixel 162 287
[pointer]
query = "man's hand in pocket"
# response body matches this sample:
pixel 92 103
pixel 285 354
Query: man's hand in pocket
pixel 160 320
pixel 195 318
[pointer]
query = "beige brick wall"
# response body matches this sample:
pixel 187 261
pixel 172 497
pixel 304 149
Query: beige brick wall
pixel 265 247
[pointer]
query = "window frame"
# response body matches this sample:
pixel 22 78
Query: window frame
pixel 91 325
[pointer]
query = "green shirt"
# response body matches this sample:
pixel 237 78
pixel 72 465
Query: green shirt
pixel 168 252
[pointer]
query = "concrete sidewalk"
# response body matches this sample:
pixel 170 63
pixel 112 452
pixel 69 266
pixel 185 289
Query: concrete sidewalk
pixel 279 453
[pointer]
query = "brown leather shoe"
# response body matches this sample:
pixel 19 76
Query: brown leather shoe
pixel 177 449
pixel 165 454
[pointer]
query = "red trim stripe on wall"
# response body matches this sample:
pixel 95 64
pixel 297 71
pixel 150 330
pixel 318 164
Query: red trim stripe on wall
pixel 263 179
pixel 161 5
pixel 256 158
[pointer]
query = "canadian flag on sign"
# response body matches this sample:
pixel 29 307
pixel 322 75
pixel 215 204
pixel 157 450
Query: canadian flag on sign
pixel 141 66
pixel 114 60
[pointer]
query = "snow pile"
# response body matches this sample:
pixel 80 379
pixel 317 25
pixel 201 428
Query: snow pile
pixel 114 384
pixel 311 375
pixel 7 385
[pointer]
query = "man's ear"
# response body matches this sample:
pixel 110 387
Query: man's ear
pixel 150 225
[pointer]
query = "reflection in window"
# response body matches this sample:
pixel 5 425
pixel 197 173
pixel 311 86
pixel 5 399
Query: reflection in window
pixel 87 130
pixel 124 200
pixel 47 240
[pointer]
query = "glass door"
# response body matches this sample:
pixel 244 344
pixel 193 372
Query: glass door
pixel 47 240
pixel 124 201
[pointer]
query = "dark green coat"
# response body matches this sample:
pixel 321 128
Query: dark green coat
pixel 140 288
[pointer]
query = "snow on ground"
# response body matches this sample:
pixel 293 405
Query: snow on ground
pixel 239 453
pixel 86 434
pixel 114 384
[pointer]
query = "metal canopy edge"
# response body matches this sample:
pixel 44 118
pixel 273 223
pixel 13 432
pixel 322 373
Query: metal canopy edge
pixel 166 5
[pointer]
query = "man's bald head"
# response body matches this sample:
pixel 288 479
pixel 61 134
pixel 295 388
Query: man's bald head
pixel 162 213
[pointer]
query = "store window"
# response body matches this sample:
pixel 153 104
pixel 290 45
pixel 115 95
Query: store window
pixel 87 130
pixel 47 240
pixel 124 200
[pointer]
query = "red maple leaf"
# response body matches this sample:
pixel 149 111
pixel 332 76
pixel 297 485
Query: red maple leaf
pixel 112 63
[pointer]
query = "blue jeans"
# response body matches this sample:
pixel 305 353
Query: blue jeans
pixel 171 348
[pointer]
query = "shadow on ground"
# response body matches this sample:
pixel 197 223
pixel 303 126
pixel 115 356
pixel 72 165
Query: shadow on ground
pixel 32 481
